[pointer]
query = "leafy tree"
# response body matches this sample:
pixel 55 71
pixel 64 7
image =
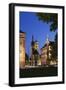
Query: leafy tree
pixel 51 18
pixel 55 49
pixel 56 46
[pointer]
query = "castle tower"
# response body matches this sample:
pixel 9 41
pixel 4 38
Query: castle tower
pixel 36 47
pixel 45 52
pixel 22 49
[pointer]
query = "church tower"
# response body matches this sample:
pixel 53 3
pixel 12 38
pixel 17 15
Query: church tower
pixel 34 53
pixel 22 49
pixel 47 40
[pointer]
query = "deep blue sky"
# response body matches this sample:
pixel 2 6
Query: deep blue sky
pixel 30 24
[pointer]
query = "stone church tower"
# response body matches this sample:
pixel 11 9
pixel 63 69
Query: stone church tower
pixel 34 53
pixel 22 49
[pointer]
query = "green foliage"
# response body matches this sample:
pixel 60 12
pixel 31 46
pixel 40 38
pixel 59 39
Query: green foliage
pixel 55 49
pixel 51 18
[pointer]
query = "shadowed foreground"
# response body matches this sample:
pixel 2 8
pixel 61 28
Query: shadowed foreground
pixel 38 72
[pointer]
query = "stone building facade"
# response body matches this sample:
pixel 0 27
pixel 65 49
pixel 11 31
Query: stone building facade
pixel 22 49
pixel 46 53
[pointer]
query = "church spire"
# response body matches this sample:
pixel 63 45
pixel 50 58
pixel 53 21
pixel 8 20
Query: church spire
pixel 32 43
pixel 47 40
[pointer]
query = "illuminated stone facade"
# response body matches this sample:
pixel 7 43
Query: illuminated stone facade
pixel 22 49
pixel 46 52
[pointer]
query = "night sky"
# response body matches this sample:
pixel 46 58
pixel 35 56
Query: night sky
pixel 30 24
